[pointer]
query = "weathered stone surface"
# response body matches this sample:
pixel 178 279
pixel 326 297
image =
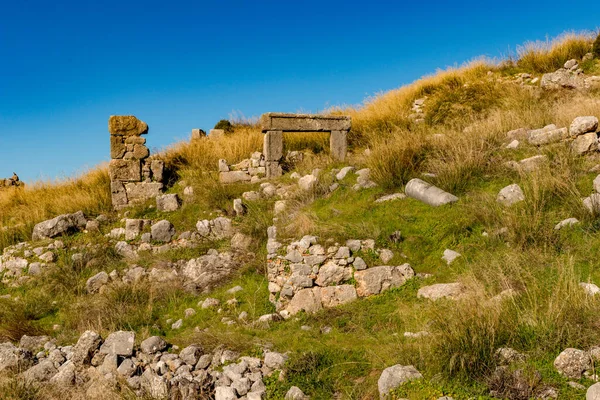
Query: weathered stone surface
pixel 593 392
pixel 379 279
pixel 158 169
pixel 94 284
pixel 163 231
pixel 273 145
pixel 295 394
pixel 59 226
pixel 139 192
pixel 427 193
pixel 566 223
pixel 119 343
pixel 125 170
pixel 85 348
pixel 533 163
pixel 395 376
pixel 391 197
pixel 168 202
pixel 581 125
pixel 42 372
pixel 338 145
pixel 205 272
pixel 592 203
pixel 562 79
pixel 442 290
pixel 118 194
pixel 13 358
pixel 572 363
pixel 450 255
pixel 33 343
pixel 304 122
pixel 198 134
pixel 517 134
pixel 154 385
pixel 308 182
pixel 117 147
pixel 216 133
pixel 126 125
pixel 334 296
pixel 307 300
pixel 589 288
pixel 153 345
pixel 510 195
pixel 234 176
pixel 548 134
pixel 140 152
pixel 585 143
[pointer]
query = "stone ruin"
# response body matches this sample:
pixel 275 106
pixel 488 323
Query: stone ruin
pixel 134 176
pixel 274 124
pixel 11 182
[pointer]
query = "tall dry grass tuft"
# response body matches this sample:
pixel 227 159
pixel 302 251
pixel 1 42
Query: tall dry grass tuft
pixel 550 55
pixel 22 208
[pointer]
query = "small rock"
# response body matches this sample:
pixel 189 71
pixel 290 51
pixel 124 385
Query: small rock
pixel 510 195
pixel 450 255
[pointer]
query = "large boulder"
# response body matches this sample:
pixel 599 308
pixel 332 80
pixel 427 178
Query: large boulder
pixel 581 125
pixel 562 79
pixel 205 272
pixel 41 372
pixel 378 279
pixel 394 377
pixel 427 193
pixel 572 363
pixel 14 358
pixel 119 343
pixel 153 345
pixel 60 225
pixel 593 392
pixel 163 231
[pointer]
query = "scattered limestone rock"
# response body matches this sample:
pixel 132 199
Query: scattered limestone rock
pixel 391 197
pixel 513 145
pixel 119 343
pixel 581 125
pixel 163 231
pixel 153 345
pixel 593 392
pixel 450 255
pixel 572 363
pixel 438 291
pixel 376 280
pixel 168 202
pixel 96 282
pixel 308 182
pixel 295 394
pixel 566 223
pixel 546 135
pixel 585 143
pixel 590 288
pixel 393 377
pixel 427 193
pixel 510 195
pixel 343 172
pixel 59 226
pixel 386 255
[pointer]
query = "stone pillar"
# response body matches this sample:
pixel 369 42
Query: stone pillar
pixel 273 151
pixel 338 145
pixel 198 134
pixel 134 178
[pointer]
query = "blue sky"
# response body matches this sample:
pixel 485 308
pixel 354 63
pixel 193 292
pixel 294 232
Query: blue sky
pixel 66 66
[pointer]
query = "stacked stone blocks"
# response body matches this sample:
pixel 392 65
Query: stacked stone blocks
pixel 274 124
pixel 134 177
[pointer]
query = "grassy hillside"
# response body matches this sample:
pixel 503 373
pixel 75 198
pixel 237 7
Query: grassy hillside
pixel 514 248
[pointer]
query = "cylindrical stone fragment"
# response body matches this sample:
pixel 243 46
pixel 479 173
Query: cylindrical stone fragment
pixel 427 193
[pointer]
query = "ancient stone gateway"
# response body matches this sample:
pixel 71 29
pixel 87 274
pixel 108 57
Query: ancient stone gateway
pixel 134 177
pixel 274 124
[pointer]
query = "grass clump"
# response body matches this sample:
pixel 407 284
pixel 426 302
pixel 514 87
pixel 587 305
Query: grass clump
pixel 550 55
pixel 596 47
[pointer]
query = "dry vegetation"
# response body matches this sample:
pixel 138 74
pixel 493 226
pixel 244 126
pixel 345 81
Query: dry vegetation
pixel 473 107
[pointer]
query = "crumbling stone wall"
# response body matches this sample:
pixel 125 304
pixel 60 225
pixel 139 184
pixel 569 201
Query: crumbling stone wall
pixel 134 176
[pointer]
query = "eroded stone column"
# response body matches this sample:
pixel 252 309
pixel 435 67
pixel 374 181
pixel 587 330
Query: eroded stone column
pixel 134 177
pixel 338 145
pixel 273 151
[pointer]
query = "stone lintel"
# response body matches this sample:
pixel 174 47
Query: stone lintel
pixel 304 122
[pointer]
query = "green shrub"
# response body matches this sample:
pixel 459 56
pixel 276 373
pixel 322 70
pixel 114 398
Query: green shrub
pixel 596 47
pixel 225 125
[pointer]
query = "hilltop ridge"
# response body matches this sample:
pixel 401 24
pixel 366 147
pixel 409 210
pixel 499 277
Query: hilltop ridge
pixel 449 252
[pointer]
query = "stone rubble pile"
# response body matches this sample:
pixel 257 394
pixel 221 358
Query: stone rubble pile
pixel 134 177
pixel 154 369
pixel 11 182
pixel 305 276
pixel 569 77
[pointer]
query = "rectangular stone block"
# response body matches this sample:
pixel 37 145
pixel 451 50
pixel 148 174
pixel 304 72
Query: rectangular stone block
pixel 118 194
pixel 117 147
pixel 216 133
pixel 158 170
pixel 135 140
pixel 273 145
pixel 234 176
pixel 338 145
pixel 304 122
pixel 126 125
pixel 125 170
pixel 273 169
pixel 142 191
pixel 198 134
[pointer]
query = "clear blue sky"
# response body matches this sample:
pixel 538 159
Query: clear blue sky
pixel 66 66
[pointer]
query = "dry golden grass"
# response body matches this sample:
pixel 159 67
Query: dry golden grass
pixel 550 55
